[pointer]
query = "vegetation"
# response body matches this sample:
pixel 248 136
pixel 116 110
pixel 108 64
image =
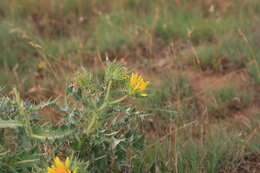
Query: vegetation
pixel 80 69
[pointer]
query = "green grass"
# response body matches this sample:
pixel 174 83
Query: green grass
pixel 253 64
pixel 228 99
pixel 15 48
pixel 112 31
pixel 217 150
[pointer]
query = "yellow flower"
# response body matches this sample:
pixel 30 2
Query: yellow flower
pixel 137 84
pixel 42 66
pixel 60 167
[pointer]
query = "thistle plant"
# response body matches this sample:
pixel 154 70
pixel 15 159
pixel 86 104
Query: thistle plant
pixel 108 129
pixel 102 133
pixel 98 97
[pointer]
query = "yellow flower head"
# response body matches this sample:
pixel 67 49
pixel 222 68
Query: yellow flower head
pixel 42 66
pixel 137 84
pixel 60 167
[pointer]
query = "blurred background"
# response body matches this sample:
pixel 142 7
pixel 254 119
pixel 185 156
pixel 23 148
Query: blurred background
pixel 43 42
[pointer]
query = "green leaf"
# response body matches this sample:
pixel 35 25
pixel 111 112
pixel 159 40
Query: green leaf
pixel 10 124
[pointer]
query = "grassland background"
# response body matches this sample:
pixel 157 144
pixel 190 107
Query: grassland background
pixel 202 58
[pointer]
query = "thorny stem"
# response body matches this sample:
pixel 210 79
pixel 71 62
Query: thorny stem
pixel 108 90
pixel 104 105
pixel 94 118
pixel 119 100
pixel 92 123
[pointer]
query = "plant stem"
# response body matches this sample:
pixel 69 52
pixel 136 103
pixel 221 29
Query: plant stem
pixel 119 100
pixel 92 123
pixel 94 118
pixel 104 105
pixel 108 90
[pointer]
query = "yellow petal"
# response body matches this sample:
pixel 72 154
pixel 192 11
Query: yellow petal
pixel 144 94
pixel 58 163
pixel 133 78
pixel 137 84
pixel 51 170
pixel 67 163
